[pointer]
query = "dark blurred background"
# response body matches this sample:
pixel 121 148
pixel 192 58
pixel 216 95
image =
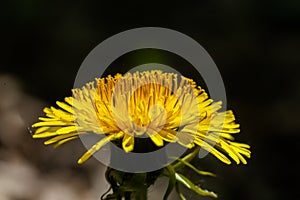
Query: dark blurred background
pixel 255 44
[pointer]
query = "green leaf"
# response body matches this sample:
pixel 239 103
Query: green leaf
pixel 170 172
pixel 189 184
pixel 204 173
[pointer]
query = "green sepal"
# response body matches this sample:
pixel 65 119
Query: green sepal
pixel 190 185
pixel 188 158
pixel 200 172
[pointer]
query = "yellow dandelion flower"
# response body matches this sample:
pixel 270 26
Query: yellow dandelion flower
pixel 160 105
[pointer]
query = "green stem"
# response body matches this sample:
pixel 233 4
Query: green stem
pixel 140 194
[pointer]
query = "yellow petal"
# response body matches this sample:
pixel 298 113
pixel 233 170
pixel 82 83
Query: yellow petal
pixel 212 150
pixel 128 143
pixel 41 129
pixel 44 135
pixel 69 100
pixel 65 107
pixel 60 137
pixel 47 119
pixel 98 145
pixel 155 137
pixel 241 144
pixel 52 123
pixel 64 141
pixel 231 152
pixel 226 136
pixel 186 139
pixel 168 135
pixel 68 129
pixel 47 110
pixel 62 114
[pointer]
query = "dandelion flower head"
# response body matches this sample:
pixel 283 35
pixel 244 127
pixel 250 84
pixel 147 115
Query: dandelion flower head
pixel 162 106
